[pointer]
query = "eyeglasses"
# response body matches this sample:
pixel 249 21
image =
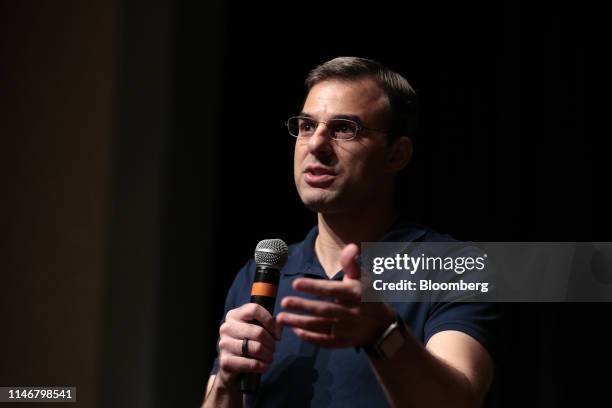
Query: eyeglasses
pixel 340 129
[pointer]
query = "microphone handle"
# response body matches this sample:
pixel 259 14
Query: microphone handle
pixel 263 292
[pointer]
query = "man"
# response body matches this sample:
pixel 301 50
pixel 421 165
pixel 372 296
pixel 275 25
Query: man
pixel 353 137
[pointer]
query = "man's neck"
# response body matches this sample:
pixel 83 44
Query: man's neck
pixel 340 229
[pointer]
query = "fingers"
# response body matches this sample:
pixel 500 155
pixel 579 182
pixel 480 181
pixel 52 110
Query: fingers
pixel 255 350
pixel 240 330
pixel 238 364
pixel 321 339
pixel 319 308
pixel 261 344
pixel 346 291
pixel 253 311
pixel 313 323
pixel 349 262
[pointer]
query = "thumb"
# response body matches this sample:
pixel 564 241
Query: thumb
pixel 348 261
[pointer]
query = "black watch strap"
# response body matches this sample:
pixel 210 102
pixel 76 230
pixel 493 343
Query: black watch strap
pixel 389 341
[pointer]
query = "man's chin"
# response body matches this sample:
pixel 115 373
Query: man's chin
pixel 321 205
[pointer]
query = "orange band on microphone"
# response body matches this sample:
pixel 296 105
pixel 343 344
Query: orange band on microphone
pixel 263 289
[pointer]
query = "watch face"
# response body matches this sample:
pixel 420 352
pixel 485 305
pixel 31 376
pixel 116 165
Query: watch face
pixel 392 343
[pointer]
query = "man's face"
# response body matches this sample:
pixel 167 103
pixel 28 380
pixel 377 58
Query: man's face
pixel 334 175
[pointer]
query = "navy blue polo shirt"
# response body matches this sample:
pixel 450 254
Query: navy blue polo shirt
pixel 303 374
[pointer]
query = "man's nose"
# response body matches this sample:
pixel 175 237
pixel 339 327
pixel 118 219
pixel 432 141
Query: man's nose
pixel 320 141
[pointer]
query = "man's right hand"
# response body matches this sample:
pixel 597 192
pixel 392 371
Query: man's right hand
pixel 261 343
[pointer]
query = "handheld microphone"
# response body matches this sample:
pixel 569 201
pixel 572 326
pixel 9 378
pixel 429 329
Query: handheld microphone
pixel 270 257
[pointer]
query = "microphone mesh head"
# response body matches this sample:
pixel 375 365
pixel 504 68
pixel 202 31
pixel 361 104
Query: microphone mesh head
pixel 271 252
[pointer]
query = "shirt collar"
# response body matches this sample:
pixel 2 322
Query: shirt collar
pixel 303 259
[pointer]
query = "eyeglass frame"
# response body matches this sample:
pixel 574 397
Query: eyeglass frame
pixel 358 127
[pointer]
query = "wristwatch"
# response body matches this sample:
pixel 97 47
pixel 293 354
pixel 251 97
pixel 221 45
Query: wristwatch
pixel 392 339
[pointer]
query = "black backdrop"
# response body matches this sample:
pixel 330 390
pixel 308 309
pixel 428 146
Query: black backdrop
pixel 503 153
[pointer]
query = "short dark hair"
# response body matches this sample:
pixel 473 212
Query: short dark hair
pixel 401 96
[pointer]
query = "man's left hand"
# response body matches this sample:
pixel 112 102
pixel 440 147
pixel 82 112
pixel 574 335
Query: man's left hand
pixel 342 322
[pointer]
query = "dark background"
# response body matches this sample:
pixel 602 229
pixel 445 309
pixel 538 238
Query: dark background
pixel 145 156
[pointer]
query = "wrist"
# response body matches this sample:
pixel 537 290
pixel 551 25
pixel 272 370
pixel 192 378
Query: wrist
pixel 388 316
pixel 223 392
pixel 227 382
pixel 390 341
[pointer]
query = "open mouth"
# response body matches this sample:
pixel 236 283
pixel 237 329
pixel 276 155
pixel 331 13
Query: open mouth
pixel 317 176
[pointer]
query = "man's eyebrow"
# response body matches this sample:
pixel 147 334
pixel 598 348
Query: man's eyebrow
pixel 354 118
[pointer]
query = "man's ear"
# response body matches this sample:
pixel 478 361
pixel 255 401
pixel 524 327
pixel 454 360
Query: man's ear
pixel 400 154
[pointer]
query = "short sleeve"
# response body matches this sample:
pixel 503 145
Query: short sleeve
pixel 479 320
pixel 237 295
